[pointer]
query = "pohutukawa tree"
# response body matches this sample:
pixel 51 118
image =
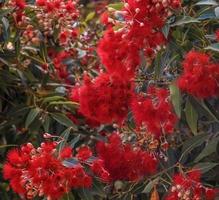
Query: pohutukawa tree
pixel 109 99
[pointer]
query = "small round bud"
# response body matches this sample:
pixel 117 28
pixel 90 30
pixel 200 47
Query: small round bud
pixel 126 5
pixel 141 24
pixel 137 10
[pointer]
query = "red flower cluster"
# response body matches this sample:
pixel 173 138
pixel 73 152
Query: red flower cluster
pixel 119 56
pixel 154 112
pixel 43 171
pixel 144 19
pixel 104 99
pixel 200 77
pixel 123 162
pixel 188 186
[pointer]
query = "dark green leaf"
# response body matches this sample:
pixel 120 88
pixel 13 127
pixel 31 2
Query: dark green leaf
pixel 85 194
pixel 208 150
pixel 192 143
pixel 64 136
pixel 62 119
pixel 191 117
pixel 75 140
pixel 176 98
pixel 185 20
pixel 150 185
pixel 31 116
pixel 205 166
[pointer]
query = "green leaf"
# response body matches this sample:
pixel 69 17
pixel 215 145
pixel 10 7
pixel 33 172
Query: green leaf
pixel 85 194
pixel 5 27
pixel 62 119
pixel 191 117
pixel 75 140
pixel 208 150
pixel 64 136
pixel 205 166
pixel 176 98
pixel 192 143
pixel 46 123
pixel 185 20
pixel 157 65
pixel 53 98
pixel 207 3
pixel 90 16
pixel 4 12
pixel 213 47
pixel 31 116
pixel 150 185
pixel 116 6
pixel 165 30
pixel 70 163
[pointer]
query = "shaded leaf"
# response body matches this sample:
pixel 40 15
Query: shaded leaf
pixel 75 140
pixel 70 163
pixel 191 117
pixel 64 136
pixel 150 185
pixel 185 20
pixel 85 194
pixel 208 150
pixel 205 166
pixel 62 119
pixel 31 116
pixel 176 98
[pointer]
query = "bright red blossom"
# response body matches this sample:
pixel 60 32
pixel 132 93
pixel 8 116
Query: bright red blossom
pixel 188 186
pixel 42 172
pixel 123 162
pixel 119 55
pixel 200 76
pixel 105 99
pixel 154 111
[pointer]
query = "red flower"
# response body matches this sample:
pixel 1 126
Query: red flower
pixel 42 171
pixel 200 77
pixel 154 112
pixel 105 99
pixel 66 153
pixel 120 56
pixel 188 186
pixel 122 162
pixel 84 153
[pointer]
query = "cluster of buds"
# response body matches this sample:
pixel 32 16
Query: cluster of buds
pixel 188 186
pixel 181 193
pixel 59 16
pixel 30 36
